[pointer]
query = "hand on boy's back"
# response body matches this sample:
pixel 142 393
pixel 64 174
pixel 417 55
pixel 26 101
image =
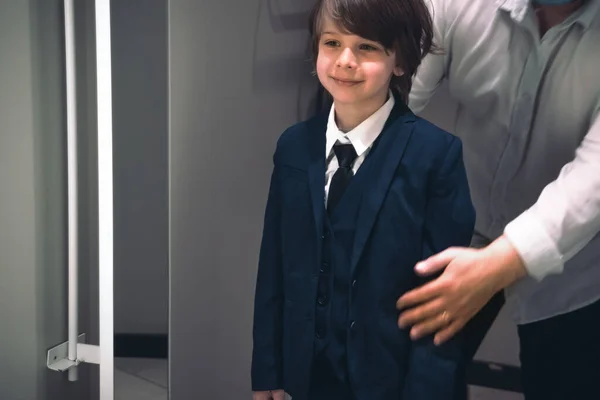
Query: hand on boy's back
pixel 269 395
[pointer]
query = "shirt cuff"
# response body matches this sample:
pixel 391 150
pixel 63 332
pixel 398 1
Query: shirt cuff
pixel 535 246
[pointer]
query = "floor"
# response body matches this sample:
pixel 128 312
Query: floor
pixel 141 379
pixel 146 379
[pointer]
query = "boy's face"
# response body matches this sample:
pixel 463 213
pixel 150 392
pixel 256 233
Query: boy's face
pixel 353 69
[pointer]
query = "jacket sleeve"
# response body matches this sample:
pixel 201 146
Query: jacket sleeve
pixel 266 370
pixel 435 371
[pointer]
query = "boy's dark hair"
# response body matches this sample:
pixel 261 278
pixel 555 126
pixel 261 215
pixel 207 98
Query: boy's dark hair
pixel 403 26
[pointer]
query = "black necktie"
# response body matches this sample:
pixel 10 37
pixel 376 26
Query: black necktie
pixel 346 155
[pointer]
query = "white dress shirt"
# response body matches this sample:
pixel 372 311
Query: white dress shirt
pixel 361 138
pixel 528 118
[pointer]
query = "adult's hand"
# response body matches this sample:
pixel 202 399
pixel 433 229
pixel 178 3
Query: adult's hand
pixel 470 279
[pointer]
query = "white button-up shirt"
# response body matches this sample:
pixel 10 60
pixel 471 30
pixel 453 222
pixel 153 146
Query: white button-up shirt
pixel 528 117
pixel 362 138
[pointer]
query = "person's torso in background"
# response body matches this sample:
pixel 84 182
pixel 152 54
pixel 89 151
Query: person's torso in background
pixel 524 105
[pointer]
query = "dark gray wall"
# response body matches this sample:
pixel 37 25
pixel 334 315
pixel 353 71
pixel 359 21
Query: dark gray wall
pixel 236 78
pixel 33 273
pixel 140 142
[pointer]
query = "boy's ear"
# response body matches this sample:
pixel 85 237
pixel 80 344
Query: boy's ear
pixel 398 71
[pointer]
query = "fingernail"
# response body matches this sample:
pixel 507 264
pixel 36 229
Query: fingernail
pixel 420 267
pixel 414 334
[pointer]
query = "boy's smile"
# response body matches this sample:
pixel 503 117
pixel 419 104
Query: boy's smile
pixel 346 82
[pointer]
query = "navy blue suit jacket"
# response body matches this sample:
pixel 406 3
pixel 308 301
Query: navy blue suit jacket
pixel 418 204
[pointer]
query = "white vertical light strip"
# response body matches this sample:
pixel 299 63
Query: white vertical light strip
pixel 105 198
pixel 72 184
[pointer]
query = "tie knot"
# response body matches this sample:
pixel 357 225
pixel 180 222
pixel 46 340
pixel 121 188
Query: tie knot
pixel 345 154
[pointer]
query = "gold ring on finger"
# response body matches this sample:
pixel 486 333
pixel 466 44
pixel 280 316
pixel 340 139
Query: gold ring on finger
pixel 445 317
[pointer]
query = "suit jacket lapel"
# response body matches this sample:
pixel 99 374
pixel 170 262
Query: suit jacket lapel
pixel 390 150
pixel 316 172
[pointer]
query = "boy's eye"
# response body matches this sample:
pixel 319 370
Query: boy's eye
pixel 331 43
pixel 368 47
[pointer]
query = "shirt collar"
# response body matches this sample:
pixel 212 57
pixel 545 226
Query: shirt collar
pixel 363 136
pixel 519 8
pixel 588 13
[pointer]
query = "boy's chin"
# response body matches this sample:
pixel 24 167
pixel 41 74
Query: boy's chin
pixel 346 98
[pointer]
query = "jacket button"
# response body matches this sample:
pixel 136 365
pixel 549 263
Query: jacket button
pixel 354 283
pixel 320 333
pixel 352 324
pixel 322 300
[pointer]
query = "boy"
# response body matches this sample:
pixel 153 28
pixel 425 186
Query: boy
pixel 358 196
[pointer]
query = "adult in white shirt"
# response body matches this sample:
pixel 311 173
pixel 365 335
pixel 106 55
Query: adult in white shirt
pixel 526 76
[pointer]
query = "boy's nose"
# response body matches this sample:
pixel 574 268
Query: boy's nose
pixel 346 59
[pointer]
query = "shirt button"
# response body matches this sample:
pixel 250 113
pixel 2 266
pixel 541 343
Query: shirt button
pixel 354 283
pixel 322 300
pixel 352 324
